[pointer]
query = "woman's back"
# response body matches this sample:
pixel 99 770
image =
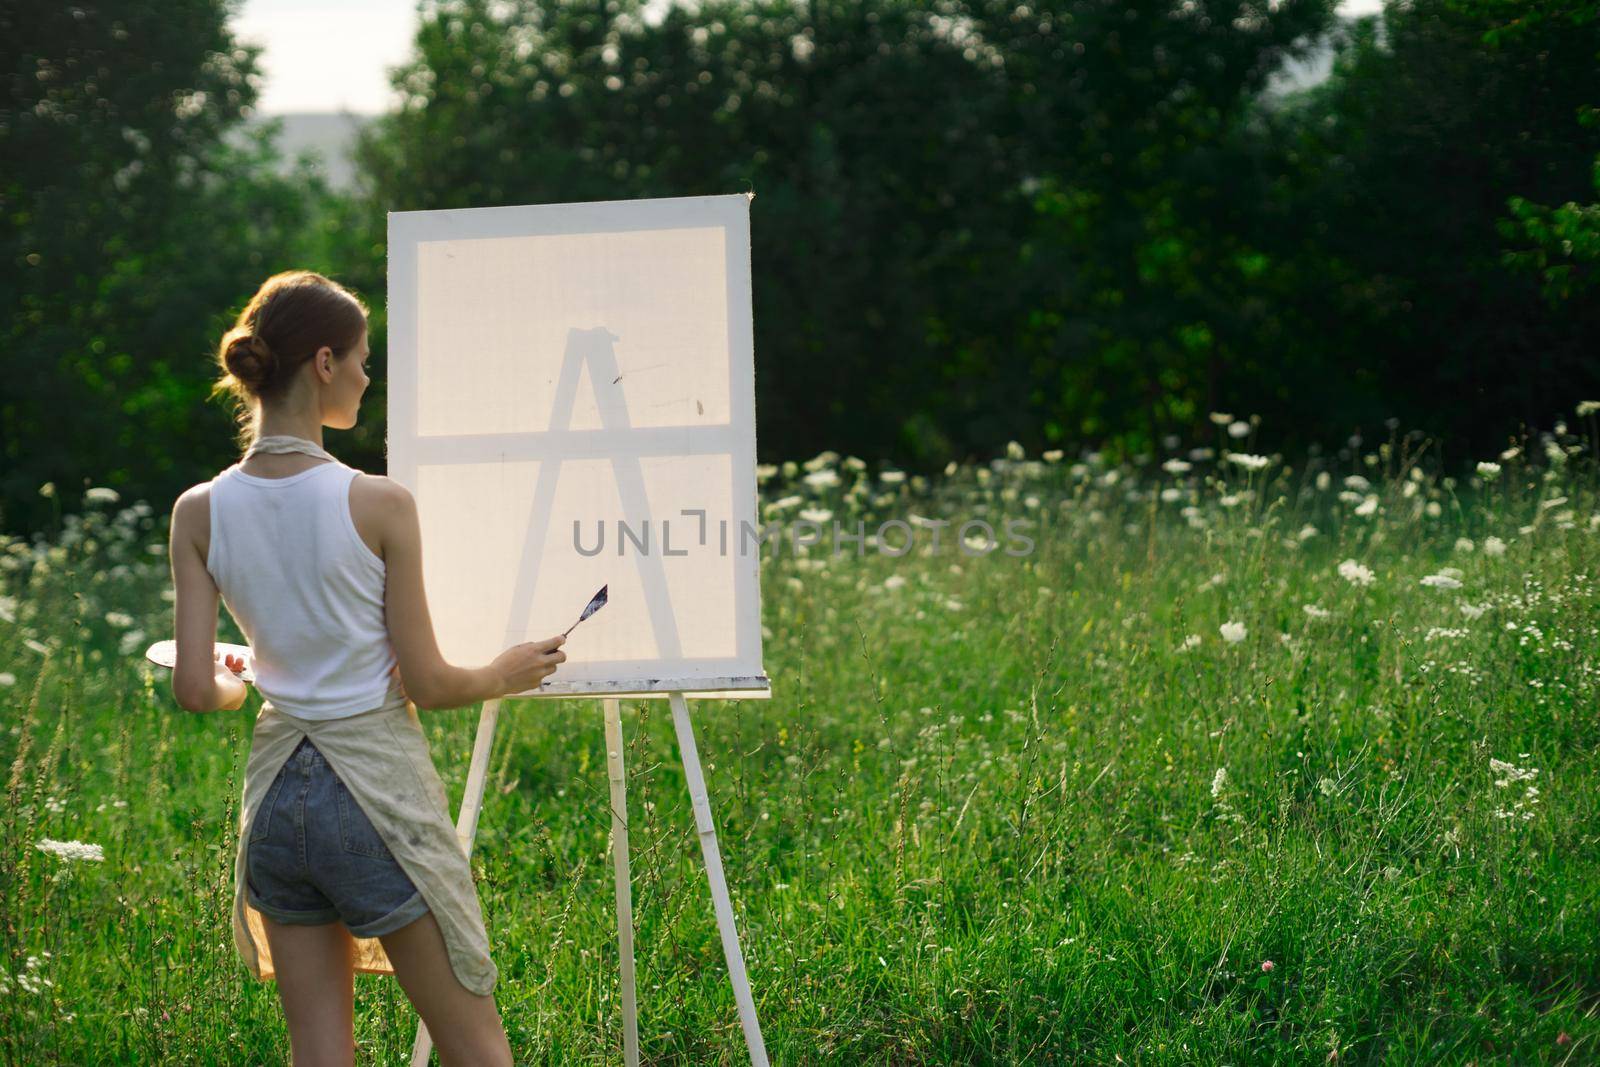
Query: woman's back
pixel 305 588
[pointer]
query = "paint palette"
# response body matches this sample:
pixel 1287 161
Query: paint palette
pixel 165 654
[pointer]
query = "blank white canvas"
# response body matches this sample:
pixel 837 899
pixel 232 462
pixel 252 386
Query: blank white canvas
pixel 583 363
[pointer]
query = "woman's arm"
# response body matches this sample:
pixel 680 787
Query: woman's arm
pixel 200 682
pixel 430 681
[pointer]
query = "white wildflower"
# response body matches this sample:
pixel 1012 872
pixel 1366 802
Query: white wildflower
pixel 1441 581
pixel 1522 809
pixel 816 515
pixel 1316 611
pixel 101 494
pixel 1248 461
pixel 71 850
pixel 1219 781
pixel 826 478
pixel 1493 546
pixel 1588 407
pixel 1177 466
pixel 1221 418
pixel 1510 773
pixel 1232 632
pixel 1238 429
pixel 1464 544
pixel 1367 506
pixel 1488 471
pixel 1355 573
pixel 1190 642
pixel 1357 482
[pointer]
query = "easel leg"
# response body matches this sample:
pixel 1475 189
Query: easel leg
pixel 477 777
pixel 466 830
pixel 719 886
pixel 619 860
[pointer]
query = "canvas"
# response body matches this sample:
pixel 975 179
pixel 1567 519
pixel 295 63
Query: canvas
pixel 572 403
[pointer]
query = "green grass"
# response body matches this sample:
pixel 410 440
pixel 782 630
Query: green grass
pixel 980 821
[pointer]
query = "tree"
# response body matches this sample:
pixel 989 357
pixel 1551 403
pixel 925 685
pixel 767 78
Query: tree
pixel 1564 240
pixel 973 221
pixel 131 223
pixel 1405 162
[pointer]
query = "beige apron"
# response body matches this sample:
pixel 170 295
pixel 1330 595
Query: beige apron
pixel 382 757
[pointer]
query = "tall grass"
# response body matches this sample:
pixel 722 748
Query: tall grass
pixel 1000 809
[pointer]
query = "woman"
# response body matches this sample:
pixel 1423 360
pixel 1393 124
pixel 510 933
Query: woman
pixel 347 859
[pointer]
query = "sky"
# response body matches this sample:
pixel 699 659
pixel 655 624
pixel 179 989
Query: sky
pixel 334 55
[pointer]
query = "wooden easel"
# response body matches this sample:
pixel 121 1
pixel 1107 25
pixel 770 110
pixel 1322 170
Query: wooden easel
pixel 467 829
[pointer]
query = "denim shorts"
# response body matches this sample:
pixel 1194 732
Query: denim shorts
pixel 314 856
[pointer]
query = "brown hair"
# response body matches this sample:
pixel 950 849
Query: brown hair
pixel 291 316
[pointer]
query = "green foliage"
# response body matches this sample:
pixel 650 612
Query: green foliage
pixel 1398 293
pixel 972 221
pixel 1069 223
pixel 1565 252
pixel 1000 809
pixel 134 217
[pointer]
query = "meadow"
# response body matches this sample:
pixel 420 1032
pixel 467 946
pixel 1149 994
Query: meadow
pixel 1245 761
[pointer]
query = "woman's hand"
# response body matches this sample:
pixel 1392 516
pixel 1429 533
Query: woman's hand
pixel 523 667
pixel 226 674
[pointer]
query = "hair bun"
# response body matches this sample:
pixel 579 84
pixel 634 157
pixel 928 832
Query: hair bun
pixel 250 360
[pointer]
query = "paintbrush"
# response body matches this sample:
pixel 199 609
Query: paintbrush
pixel 596 602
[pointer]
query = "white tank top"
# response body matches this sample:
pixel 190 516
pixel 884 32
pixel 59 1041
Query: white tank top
pixel 304 588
